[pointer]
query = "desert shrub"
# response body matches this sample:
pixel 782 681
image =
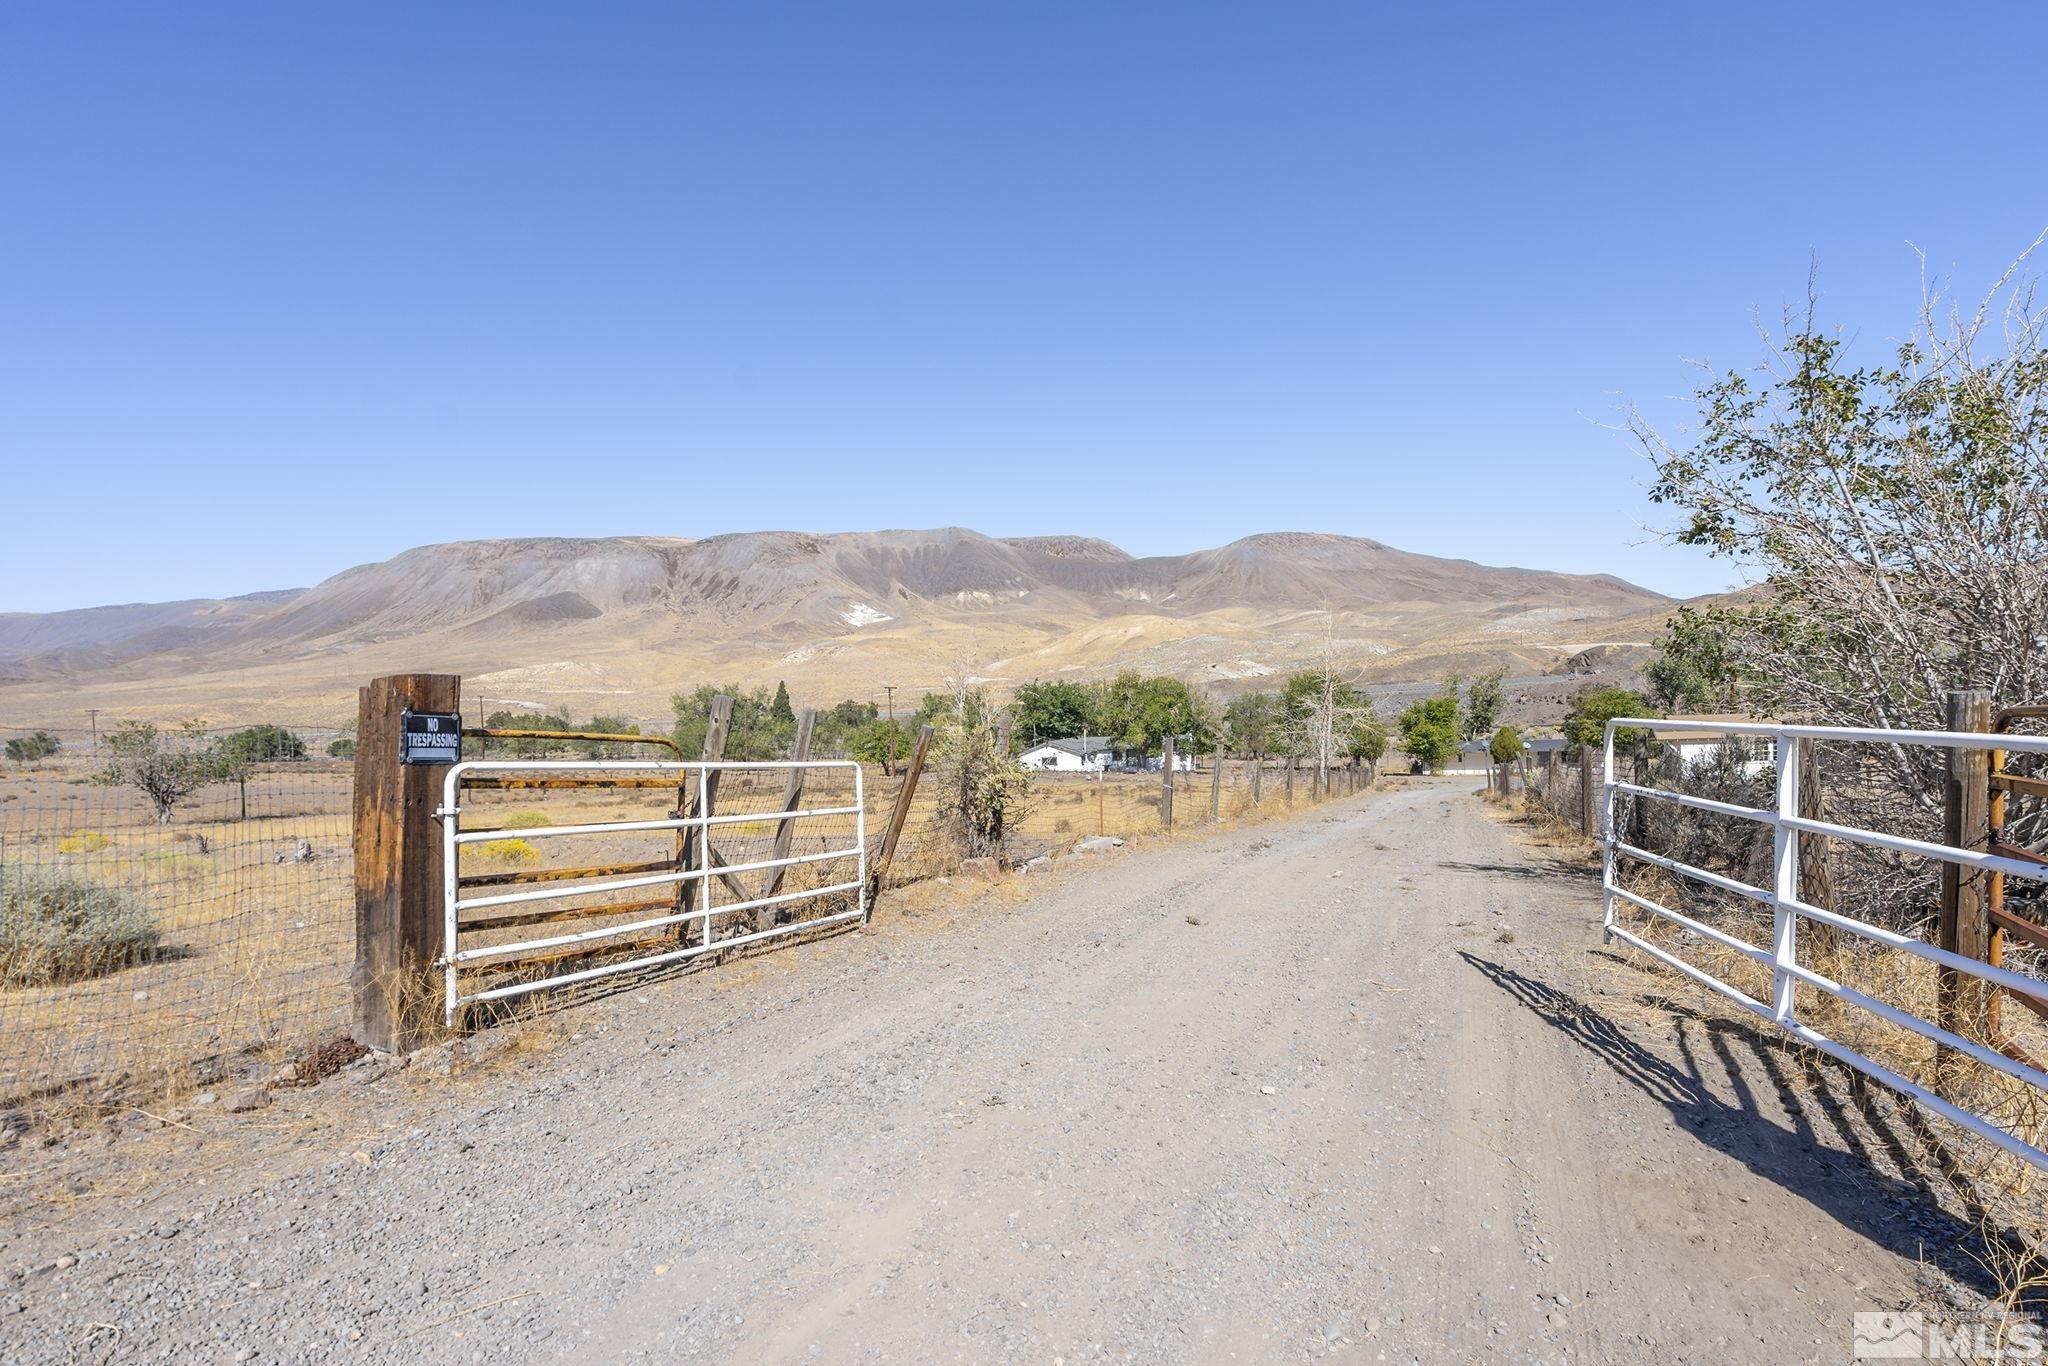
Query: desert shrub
pixel 344 748
pixel 171 863
pixel 55 927
pixel 83 842
pixel 508 851
pixel 526 820
pixel 33 747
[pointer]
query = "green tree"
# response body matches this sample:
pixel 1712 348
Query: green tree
pixel 262 744
pixel 879 742
pixel 1586 723
pixel 1137 713
pixel 1690 671
pixel 1429 731
pixel 610 749
pixel 525 749
pixel 1255 721
pixel 780 710
pixel 837 725
pixel 1052 711
pixel 752 733
pixel 1369 743
pixel 33 747
pixel 1506 746
pixel 1485 699
pixel 164 765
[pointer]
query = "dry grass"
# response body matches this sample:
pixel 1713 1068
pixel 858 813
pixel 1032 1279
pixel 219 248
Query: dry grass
pixel 252 969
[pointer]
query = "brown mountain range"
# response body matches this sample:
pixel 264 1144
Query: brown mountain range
pixel 620 623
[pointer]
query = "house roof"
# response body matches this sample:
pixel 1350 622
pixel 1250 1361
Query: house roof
pixel 1703 731
pixel 1081 746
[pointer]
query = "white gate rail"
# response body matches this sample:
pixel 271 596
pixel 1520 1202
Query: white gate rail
pixel 703 872
pixel 1782 896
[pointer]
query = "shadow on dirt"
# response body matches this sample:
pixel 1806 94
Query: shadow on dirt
pixel 1827 1154
pixel 1526 872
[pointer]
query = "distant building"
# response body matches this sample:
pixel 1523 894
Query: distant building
pixel 1084 754
pixel 1697 744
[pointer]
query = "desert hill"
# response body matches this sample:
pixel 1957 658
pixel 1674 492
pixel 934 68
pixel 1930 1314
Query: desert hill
pixel 621 622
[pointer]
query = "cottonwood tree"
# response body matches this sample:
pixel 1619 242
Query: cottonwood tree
pixel 1485 698
pixel 1324 710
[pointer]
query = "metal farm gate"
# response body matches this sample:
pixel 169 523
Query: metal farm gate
pixel 734 857
pixel 1978 851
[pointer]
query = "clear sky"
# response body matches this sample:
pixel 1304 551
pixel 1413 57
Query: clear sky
pixel 286 288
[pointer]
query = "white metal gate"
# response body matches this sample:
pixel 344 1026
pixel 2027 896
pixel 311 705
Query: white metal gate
pixel 677 913
pixel 1788 911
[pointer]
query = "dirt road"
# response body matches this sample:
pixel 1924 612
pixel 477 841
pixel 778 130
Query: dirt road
pixel 1358 1083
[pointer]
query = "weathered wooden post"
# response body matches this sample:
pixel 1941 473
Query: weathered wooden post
pixel 1290 780
pixel 1258 766
pixel 697 844
pixel 397 845
pixel 792 799
pixel 1216 787
pixel 1591 778
pixel 1963 1001
pixel 1550 779
pixel 1816 886
pixel 897 816
pixel 1166 788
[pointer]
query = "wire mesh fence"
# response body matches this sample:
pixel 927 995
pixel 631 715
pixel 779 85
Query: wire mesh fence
pixel 1559 788
pixel 142 938
pixel 145 947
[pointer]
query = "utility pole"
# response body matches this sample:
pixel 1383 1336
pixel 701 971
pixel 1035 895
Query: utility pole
pixel 889 750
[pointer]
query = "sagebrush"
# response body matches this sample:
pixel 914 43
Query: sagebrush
pixel 55 927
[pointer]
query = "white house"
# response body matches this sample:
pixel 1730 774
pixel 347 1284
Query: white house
pixel 1087 754
pixel 1698 745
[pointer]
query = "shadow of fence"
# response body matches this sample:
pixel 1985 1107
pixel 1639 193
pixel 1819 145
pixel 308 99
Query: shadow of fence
pixel 1838 1131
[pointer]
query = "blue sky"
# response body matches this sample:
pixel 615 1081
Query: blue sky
pixel 276 278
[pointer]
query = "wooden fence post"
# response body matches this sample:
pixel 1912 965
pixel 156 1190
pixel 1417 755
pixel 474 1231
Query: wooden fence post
pixel 1589 794
pixel 398 871
pixel 697 847
pixel 792 798
pixel 1965 924
pixel 1258 764
pixel 897 815
pixel 1550 779
pixel 1216 788
pixel 1816 885
pixel 1290 780
pixel 1166 788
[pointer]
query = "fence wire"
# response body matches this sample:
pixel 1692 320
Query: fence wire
pixel 141 955
pixel 147 950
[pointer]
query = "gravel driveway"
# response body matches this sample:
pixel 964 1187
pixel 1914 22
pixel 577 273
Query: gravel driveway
pixel 1359 1083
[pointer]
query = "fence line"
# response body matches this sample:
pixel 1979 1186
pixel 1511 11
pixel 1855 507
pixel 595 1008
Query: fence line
pixel 1870 977
pixel 231 927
